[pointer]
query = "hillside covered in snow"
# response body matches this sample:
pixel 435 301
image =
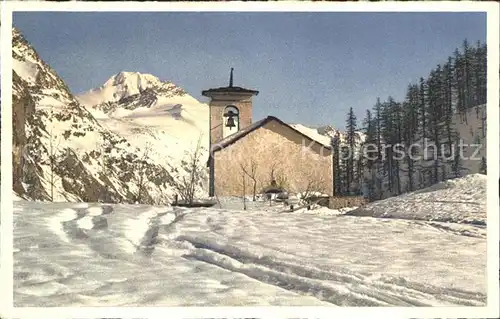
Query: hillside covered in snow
pixel 81 254
pixel 127 141
pixel 448 205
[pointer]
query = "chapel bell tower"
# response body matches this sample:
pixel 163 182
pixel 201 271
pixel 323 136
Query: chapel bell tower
pixel 230 109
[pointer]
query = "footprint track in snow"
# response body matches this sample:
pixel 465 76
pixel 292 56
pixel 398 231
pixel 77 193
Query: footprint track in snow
pixel 337 286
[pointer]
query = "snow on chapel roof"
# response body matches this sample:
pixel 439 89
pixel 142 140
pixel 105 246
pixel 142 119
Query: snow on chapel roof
pixel 245 131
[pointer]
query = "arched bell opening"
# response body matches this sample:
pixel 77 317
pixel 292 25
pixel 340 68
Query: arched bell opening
pixel 231 118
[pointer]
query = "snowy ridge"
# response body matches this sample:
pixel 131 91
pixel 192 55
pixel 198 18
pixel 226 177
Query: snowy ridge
pixel 124 85
pixel 312 133
pixel 325 134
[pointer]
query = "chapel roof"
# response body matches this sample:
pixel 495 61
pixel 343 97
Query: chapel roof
pixel 229 89
pixel 247 130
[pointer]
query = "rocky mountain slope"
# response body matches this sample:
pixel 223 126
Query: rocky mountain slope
pixel 64 151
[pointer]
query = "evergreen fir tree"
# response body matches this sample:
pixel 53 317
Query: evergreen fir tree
pixel 448 102
pixel 391 134
pixel 378 130
pixel 481 58
pixel 456 166
pixel 459 79
pixel 468 74
pixel 409 132
pixel 379 169
pixel 476 77
pixel 351 138
pixel 337 165
pixel 371 153
pixel 386 130
pixel 435 112
pixel 344 175
pixel 423 108
pixel 396 142
pixel 460 84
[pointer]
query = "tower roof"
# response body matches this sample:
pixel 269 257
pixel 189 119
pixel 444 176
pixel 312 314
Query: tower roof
pixel 229 89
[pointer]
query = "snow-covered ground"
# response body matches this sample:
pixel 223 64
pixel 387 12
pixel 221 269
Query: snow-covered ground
pixel 112 255
pixel 461 200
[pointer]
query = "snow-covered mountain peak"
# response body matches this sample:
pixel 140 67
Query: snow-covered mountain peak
pixel 131 86
pixel 132 82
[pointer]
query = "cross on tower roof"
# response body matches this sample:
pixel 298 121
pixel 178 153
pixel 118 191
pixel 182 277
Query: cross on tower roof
pixel 231 78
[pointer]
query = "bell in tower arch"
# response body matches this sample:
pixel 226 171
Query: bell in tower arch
pixel 236 99
pixel 231 120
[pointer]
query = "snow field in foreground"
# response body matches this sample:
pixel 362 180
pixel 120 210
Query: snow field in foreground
pixel 137 255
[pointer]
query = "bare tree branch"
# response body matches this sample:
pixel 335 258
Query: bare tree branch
pixel 187 186
pixel 243 174
pixel 53 150
pixel 251 173
pixel 142 173
pixel 311 190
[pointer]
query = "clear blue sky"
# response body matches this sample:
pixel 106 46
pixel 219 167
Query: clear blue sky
pixel 309 67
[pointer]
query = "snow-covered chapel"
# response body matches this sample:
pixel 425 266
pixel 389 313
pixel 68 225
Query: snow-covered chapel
pixel 246 155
